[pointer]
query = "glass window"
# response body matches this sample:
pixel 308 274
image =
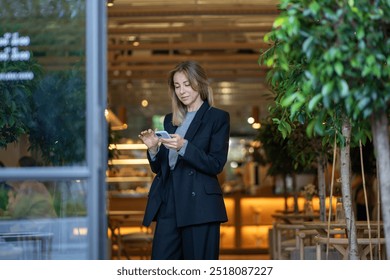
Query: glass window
pixel 52 129
pixel 43 81
pixel 43 220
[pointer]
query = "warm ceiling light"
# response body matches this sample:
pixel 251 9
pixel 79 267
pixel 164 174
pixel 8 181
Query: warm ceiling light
pixel 110 3
pixel 256 125
pixel 226 90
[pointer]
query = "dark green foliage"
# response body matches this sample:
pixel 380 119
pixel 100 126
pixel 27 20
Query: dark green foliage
pixel 15 101
pixel 57 126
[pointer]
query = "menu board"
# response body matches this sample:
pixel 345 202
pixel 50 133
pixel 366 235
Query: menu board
pixel 10 51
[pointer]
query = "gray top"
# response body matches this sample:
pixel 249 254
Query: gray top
pixel 181 130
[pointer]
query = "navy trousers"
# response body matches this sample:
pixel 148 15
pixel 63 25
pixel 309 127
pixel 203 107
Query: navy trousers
pixel 195 242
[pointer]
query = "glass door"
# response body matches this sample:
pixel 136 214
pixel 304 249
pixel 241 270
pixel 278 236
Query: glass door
pixel 53 133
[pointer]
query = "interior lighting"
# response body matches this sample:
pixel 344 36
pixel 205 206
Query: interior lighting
pixel 256 125
pixel 78 231
pixel 110 3
pixel 114 121
pixel 144 103
pixel 226 90
pixel 251 120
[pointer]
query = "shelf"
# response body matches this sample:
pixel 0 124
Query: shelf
pixel 129 161
pixel 127 147
pixel 127 179
pixel 131 169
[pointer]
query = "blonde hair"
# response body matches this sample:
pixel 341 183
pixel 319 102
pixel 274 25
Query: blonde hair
pixel 198 80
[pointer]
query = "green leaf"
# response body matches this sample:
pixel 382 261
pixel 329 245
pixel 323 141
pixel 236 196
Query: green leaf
pixel 270 61
pixel 327 88
pixel 371 60
pixel 283 130
pixel 310 128
pixel 306 44
pixel 287 127
pixel 344 88
pixel 313 102
pixel 319 127
pixel 360 33
pixel 288 100
pixel 314 7
pixel 279 21
pixel 339 68
pixel 296 107
pixel 363 103
pixel 267 37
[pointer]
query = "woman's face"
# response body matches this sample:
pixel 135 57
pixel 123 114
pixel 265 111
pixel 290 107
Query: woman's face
pixel 185 93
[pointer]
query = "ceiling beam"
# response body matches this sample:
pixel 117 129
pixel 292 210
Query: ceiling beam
pixel 153 59
pixel 226 76
pixel 189 29
pixel 118 21
pixel 191 46
pixel 184 10
pixel 208 67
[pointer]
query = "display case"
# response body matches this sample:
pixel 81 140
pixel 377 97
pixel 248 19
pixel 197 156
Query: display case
pixel 129 172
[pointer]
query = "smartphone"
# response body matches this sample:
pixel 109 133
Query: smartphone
pixel 163 134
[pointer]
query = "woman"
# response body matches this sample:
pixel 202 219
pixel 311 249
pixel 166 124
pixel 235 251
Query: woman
pixel 185 198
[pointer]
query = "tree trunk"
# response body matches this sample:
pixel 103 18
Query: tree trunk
pixel 321 165
pixel 345 171
pixel 285 193
pixel 296 193
pixel 380 133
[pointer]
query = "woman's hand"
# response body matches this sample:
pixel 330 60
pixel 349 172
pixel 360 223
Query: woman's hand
pixel 176 142
pixel 150 139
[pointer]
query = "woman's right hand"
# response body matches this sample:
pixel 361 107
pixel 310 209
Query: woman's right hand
pixel 150 139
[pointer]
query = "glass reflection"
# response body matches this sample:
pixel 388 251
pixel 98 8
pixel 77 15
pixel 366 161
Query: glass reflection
pixel 42 80
pixel 44 220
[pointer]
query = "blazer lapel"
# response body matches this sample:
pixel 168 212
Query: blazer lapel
pixel 196 122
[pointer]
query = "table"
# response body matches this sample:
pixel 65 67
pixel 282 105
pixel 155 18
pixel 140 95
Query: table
pixel 338 237
pixel 27 245
pixel 292 218
pixel 361 227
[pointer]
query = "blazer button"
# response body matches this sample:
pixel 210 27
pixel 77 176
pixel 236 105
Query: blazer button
pixel 191 173
pixel 193 193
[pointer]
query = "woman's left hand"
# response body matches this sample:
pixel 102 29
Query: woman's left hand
pixel 176 142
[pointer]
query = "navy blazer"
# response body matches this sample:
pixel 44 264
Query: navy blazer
pixel 197 192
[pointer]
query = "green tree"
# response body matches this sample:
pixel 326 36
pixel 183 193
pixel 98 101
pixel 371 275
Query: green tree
pixel 334 56
pixel 56 125
pixel 15 101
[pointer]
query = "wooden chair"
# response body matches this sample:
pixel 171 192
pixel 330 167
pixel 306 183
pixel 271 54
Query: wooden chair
pixel 286 239
pixel 306 240
pixel 134 244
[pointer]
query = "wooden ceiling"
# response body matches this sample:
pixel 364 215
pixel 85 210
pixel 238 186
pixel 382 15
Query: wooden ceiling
pixel 148 38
